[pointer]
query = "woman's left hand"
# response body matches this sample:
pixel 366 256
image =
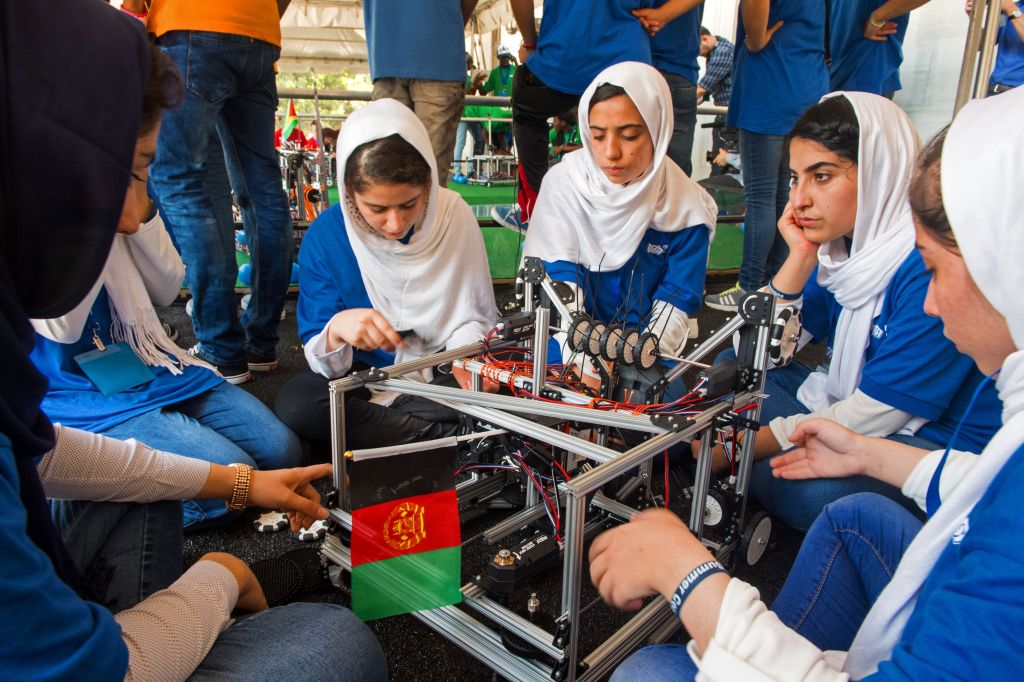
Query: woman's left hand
pixel 649 555
pixel 653 19
pixel 290 491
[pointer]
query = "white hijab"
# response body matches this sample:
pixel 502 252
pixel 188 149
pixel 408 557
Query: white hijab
pixel 581 216
pixel 979 183
pixel 438 285
pixel 883 236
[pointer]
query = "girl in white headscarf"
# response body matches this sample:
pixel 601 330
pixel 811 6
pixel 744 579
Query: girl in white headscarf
pixel 618 220
pixel 394 272
pixel 853 269
pixel 954 606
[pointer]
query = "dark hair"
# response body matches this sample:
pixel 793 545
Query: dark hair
pixel 389 160
pixel 704 31
pixel 926 193
pixel 832 123
pixel 605 91
pixel 163 89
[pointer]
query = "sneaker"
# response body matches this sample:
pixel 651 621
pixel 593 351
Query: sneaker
pixel 692 329
pixel 233 374
pixel 244 303
pixel 509 216
pixel 169 330
pixel 726 301
pixel 259 363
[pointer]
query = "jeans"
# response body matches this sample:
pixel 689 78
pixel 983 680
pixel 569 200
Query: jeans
pixel 684 111
pixel 798 503
pixel 846 560
pixel 438 104
pixel 223 425
pixel 533 103
pixel 475 129
pixel 126 552
pixel 766 186
pixel 230 91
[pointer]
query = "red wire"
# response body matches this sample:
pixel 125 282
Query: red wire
pixel 552 507
pixel 562 469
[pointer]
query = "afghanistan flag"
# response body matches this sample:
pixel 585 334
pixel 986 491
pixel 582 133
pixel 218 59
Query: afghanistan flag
pixel 406 540
pixel 291 122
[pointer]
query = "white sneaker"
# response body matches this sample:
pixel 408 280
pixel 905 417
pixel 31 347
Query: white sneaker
pixel 245 304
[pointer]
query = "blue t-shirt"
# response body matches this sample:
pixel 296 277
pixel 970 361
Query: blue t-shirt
pixel 580 38
pixel 73 400
pixel 46 631
pixel 667 266
pixel 968 618
pixel 675 47
pixel 1009 68
pixel 861 64
pixel 415 39
pixel 330 281
pixel 774 87
pixel 909 363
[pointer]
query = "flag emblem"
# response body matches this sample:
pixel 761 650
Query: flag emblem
pixel 404 528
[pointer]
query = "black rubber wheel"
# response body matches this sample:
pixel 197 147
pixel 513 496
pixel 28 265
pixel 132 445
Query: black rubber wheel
pixel 754 540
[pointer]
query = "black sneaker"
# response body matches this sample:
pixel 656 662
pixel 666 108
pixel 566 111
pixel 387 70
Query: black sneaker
pixel 258 363
pixel 236 373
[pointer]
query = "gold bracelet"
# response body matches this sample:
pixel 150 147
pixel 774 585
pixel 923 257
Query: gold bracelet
pixel 240 491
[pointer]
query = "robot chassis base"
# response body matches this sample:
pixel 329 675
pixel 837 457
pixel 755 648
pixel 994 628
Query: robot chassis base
pixel 586 509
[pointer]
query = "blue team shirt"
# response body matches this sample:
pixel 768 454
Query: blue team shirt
pixel 1009 68
pixel 415 39
pixel 46 631
pixel 858 63
pixel 330 281
pixel 581 38
pixel 909 364
pixel 666 266
pixel 774 87
pixel 970 612
pixel 675 47
pixel 73 400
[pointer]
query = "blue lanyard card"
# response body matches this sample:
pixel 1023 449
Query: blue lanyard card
pixel 115 368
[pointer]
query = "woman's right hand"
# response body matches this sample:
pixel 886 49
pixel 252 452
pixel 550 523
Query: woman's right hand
pixel 799 245
pixel 250 592
pixel 825 449
pixel 362 328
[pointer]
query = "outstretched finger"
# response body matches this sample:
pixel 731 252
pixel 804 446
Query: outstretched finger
pixel 298 503
pixel 315 471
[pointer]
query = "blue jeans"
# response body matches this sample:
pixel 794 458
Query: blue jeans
pixel 766 186
pixel 223 425
pixel 475 129
pixel 126 552
pixel 231 93
pixel 798 503
pixel 846 560
pixel 684 111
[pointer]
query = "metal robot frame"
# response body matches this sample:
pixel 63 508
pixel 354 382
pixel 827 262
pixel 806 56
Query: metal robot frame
pixel 581 495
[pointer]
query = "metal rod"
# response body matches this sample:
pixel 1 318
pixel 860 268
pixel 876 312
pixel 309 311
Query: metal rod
pixel 503 402
pixel 572 572
pixel 614 507
pixel 747 448
pixel 730 327
pixel 692 363
pixel 513 523
pixel 701 483
pixel 988 49
pixel 337 397
pixel 540 348
pixel 562 308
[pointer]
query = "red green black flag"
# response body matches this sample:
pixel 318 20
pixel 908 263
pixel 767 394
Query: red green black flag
pixel 406 539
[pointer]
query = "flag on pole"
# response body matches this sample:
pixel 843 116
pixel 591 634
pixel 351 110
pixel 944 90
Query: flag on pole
pixel 406 539
pixel 291 122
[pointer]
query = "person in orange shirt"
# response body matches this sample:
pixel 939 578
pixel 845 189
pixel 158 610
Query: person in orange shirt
pixel 226 52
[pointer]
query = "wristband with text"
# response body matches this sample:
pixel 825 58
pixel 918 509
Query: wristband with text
pixel 692 579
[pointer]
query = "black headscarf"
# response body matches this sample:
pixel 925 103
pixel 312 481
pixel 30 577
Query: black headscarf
pixel 72 75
